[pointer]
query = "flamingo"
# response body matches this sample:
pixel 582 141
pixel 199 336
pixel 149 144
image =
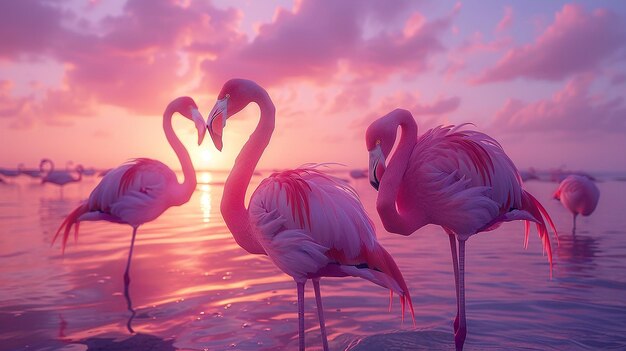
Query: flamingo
pixel 459 179
pixel 310 224
pixel 9 172
pixel 140 190
pixel 579 194
pixel 33 173
pixel 60 178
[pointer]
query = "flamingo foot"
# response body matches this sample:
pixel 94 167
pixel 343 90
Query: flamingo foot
pixel 459 338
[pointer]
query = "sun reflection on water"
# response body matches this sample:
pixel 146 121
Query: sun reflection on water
pixel 205 196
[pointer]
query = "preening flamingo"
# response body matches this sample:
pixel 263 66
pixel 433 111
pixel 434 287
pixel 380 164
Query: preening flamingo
pixel 140 190
pixel 310 224
pixel 459 179
pixel 579 194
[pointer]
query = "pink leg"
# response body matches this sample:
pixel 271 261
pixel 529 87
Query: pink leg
pixel 130 254
pixel 455 263
pixel 301 314
pixel 461 332
pixel 320 312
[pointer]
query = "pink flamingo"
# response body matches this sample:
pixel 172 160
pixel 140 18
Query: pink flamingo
pixel 60 178
pixel 310 224
pixel 140 190
pixel 33 173
pixel 459 179
pixel 578 194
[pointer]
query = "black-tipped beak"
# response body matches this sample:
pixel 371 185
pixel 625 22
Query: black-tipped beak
pixel 376 161
pixel 216 122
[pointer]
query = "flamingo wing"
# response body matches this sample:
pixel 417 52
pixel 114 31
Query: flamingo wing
pixel 135 193
pixel 312 224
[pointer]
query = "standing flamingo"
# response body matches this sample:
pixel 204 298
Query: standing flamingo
pixel 60 178
pixel 459 179
pixel 33 173
pixel 140 190
pixel 310 224
pixel 578 194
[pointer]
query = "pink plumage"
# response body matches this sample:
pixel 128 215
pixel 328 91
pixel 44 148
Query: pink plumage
pixel 578 194
pixel 310 224
pixel 140 190
pixel 459 179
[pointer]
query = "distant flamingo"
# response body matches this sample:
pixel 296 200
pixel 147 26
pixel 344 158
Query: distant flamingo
pixel 140 190
pixel 33 173
pixel 578 194
pixel 310 224
pixel 9 172
pixel 60 178
pixel 459 179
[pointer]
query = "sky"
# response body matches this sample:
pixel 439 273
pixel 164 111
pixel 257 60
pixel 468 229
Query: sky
pixel 88 81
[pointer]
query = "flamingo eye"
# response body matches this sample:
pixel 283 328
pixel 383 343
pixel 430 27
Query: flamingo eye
pixel 378 142
pixel 227 96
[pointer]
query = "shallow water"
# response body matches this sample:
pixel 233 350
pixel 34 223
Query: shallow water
pixel 193 288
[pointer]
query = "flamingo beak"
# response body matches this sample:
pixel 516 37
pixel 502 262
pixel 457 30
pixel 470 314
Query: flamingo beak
pixel 376 166
pixel 217 121
pixel 197 118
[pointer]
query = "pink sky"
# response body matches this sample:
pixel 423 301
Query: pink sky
pixel 88 81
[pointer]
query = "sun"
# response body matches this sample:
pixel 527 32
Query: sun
pixel 205 157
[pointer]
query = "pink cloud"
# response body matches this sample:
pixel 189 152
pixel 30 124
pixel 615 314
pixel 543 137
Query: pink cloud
pixel 29 27
pixel 506 21
pixel 131 60
pixel 318 39
pixel 427 115
pixel 577 41
pixel 439 107
pixel 571 110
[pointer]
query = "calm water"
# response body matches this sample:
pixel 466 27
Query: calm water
pixel 193 288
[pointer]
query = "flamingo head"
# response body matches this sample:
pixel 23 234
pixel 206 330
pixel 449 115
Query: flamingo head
pixel 235 95
pixel 45 161
pixel 379 138
pixel 187 107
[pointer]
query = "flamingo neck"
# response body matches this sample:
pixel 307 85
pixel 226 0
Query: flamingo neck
pixel 50 170
pixel 185 190
pixel 233 202
pixel 394 218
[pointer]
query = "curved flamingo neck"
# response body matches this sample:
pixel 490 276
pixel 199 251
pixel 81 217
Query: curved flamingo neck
pixel 49 171
pixel 394 219
pixel 233 202
pixel 184 192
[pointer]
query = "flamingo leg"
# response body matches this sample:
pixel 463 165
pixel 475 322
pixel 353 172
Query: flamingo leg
pixel 301 314
pixel 455 264
pixel 130 254
pixel 574 226
pixel 461 332
pixel 320 312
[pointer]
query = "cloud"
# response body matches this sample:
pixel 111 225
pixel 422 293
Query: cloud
pixel 439 107
pixel 317 40
pixel 136 59
pixel 30 28
pixel 572 110
pixel 577 41
pixel 506 21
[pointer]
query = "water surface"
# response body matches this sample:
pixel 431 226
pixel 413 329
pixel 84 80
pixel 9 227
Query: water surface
pixel 193 288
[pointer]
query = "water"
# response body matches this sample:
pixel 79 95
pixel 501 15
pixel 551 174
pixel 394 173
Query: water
pixel 193 288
